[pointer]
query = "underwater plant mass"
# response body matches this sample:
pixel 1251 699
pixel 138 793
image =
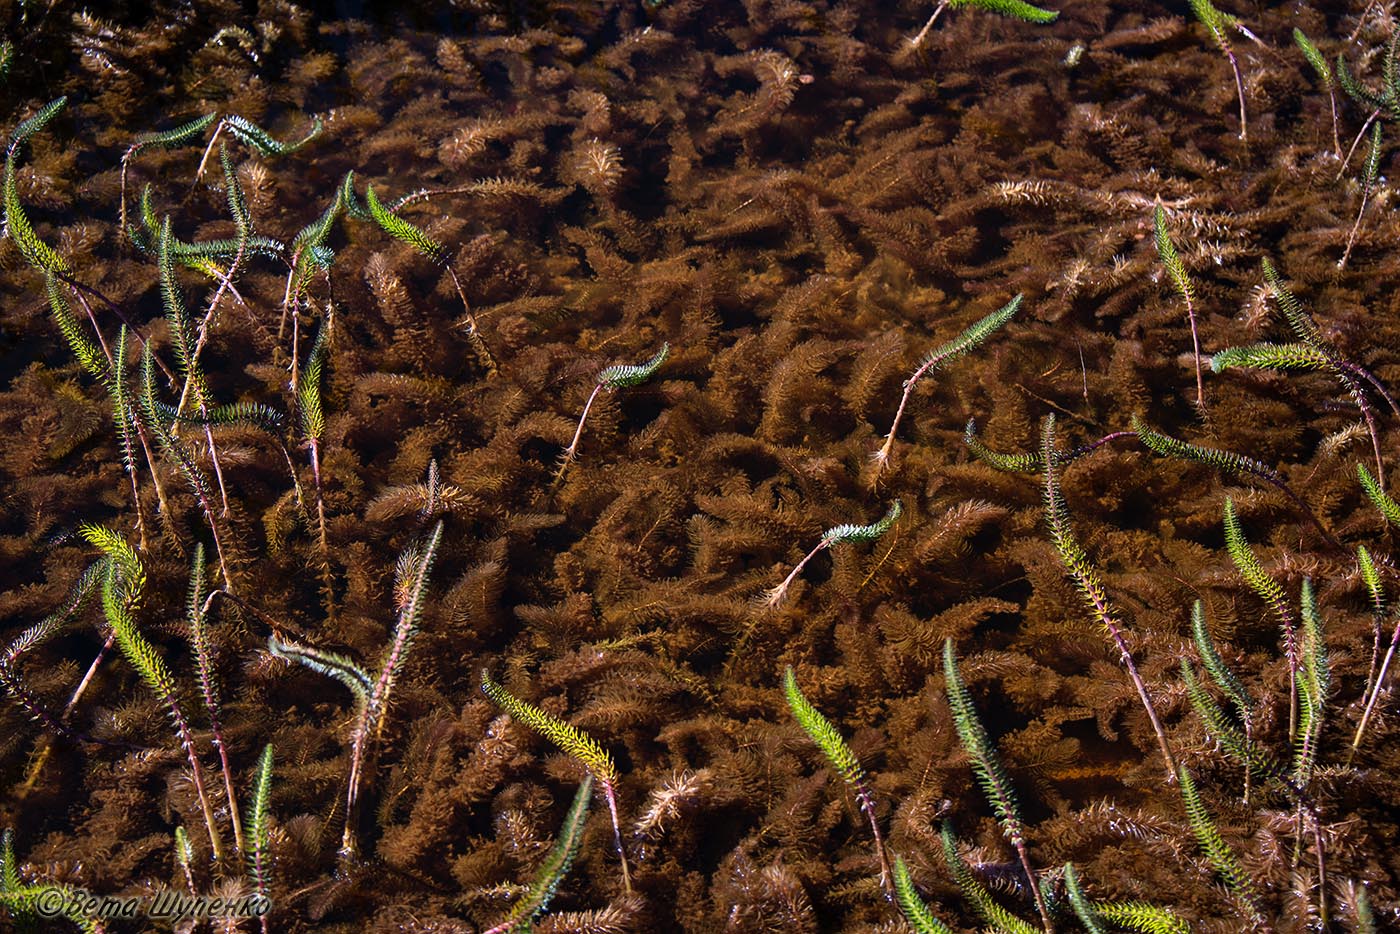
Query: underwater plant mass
pixel 699 466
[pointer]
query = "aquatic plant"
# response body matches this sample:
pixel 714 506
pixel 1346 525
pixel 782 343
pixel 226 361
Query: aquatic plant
pixel 196 617
pixel 573 742
pixel 1016 9
pixel 260 831
pixel 617 376
pixel 1274 599
pixel 163 424
pixel 1313 351
pixel 313 426
pixel 846 532
pixel 1224 678
pixel 1176 271
pixel 1376 677
pixel 1370 174
pixel 17 226
pixel 829 741
pixel 1222 859
pixel 748 182
pixel 253 136
pixel 1235 738
pixel 1219 25
pixel 536 897
pixel 993 778
pixel 176 136
pixel 913 907
pixel 1226 462
pixel 372 692
pixel 25 900
pixel 1383 104
pixel 1134 915
pixel 14 681
pixel 1324 74
pixel 976 892
pixel 1087 581
pixel 123 583
pixel 973 336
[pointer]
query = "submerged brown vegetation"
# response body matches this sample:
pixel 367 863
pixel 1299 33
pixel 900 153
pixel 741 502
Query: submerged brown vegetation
pixel 802 204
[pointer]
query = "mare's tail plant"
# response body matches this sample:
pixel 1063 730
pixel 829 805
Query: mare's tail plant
pixel 1224 678
pixel 959 346
pixel 1370 174
pixel 104 365
pixel 619 376
pixel 1219 24
pixel 1017 9
pixel 313 426
pixel 154 416
pixel 188 342
pixel 1312 352
pixel 1097 917
pixel 108 366
pixel 165 139
pixel 1324 74
pixel 184 857
pixel 1391 510
pixel 310 257
pixel 976 892
pixel 372 693
pixel 1271 592
pixel 398 228
pixel 1022 462
pixel 915 912
pixel 1226 462
pixel 256 138
pixel 993 778
pixel 197 619
pixel 1088 583
pixel 1312 695
pixel 1031 461
pixel 1383 104
pixel 259 833
pixel 1313 688
pixel 17 226
pixel 834 535
pixel 842 759
pixel 1217 852
pixel 1176 271
pixel 538 894
pixel 1232 735
pixel 123 580
pixel 11 678
pixel 574 742
pixel 1374 488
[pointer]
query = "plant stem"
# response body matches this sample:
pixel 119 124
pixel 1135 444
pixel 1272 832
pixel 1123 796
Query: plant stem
pixel 1356 142
pixel 883 455
pixel 866 801
pixel 611 796
pixel 775 596
pixel 918 40
pixel 1239 87
pixel 572 450
pixel 1375 693
pixel 211 704
pixel 473 332
pixel 187 741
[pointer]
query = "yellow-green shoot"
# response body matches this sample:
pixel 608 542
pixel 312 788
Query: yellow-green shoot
pixel 574 742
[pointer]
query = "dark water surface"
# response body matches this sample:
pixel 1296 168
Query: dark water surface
pixel 803 206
